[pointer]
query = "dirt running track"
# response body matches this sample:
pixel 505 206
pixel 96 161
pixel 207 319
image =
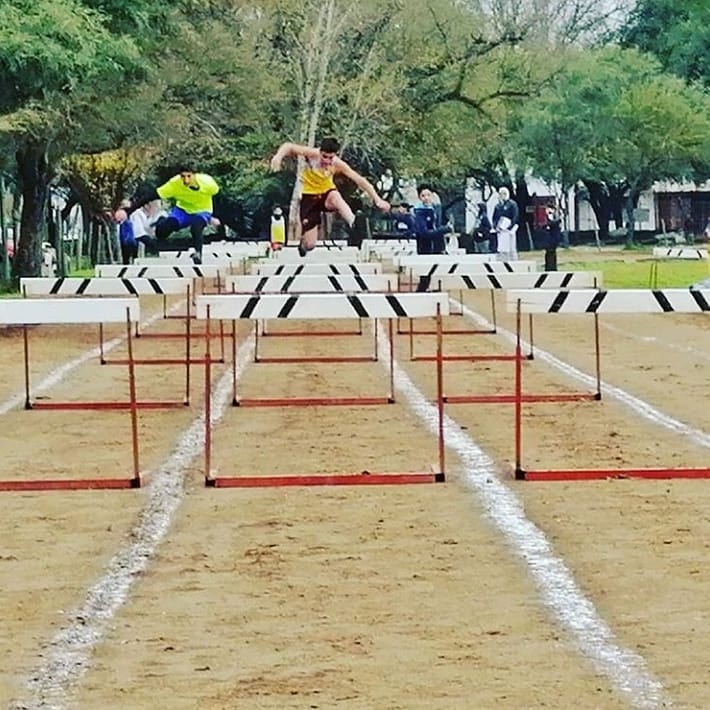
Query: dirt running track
pixel 360 597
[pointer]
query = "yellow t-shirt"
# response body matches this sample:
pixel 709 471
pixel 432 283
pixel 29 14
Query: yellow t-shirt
pixel 188 199
pixel 316 178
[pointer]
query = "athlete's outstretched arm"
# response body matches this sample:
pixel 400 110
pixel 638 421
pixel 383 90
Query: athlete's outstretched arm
pixel 292 150
pixel 363 183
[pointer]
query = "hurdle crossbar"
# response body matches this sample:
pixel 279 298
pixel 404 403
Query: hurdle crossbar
pixel 427 268
pixel 631 301
pixel 27 312
pixel 503 281
pixel 317 283
pixel 318 306
pixel 270 268
pixel 273 268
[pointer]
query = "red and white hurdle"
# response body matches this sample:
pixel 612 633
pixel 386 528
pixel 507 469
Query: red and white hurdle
pixel 664 301
pixel 473 281
pixel 309 307
pixel 132 287
pixel 317 283
pixel 26 312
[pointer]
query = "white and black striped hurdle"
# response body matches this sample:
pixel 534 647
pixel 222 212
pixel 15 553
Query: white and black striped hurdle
pixel 102 287
pixel 311 283
pixel 199 273
pixel 309 307
pixel 230 264
pixel 271 268
pixel 631 301
pixel 419 273
pixel 325 254
pixel 498 282
pixel 679 253
pixel 319 283
pixel 665 254
pixel 378 247
pixel 424 269
pixel 430 264
pixel 341 269
pixel 73 311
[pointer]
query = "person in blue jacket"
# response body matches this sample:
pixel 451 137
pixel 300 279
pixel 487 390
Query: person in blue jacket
pixel 427 224
pixel 403 220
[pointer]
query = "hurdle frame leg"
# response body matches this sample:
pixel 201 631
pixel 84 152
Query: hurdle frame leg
pixel 209 481
pixel 440 391
pixel 136 480
pixel 188 348
pixel 26 351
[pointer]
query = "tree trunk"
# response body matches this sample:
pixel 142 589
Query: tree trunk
pixel 35 175
pixel 601 206
pixel 630 204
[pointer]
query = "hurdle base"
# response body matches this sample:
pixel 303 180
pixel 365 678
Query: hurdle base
pixel 101 406
pixel 347 479
pixel 163 361
pixel 592 474
pixel 450 331
pixel 312 402
pixel 511 398
pixel 310 334
pixel 316 358
pixel 74 484
pixel 465 358
pixel 200 336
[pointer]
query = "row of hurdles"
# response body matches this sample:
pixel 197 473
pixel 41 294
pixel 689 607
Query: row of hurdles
pixel 357 297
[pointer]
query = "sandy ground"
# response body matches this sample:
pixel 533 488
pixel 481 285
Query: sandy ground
pixel 361 597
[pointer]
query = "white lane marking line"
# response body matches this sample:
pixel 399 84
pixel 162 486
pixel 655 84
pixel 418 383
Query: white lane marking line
pixel 67 656
pixel 638 405
pixel 560 593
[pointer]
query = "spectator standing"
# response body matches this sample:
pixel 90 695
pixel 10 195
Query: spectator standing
pixel 505 224
pixel 554 237
pixel 427 224
pixel 482 230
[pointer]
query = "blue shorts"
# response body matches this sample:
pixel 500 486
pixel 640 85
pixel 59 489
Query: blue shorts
pixel 187 219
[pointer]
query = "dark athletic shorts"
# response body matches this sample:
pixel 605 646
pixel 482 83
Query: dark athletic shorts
pixel 312 207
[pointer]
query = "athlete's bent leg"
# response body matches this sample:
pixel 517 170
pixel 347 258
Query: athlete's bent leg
pixel 196 228
pixel 335 202
pixel 165 227
pixel 309 237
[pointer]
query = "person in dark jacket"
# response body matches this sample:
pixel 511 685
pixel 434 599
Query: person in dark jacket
pixel 427 224
pixel 554 237
pixel 402 219
pixel 482 230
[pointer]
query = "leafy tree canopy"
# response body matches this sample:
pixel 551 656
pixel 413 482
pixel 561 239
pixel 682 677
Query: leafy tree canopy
pixel 678 33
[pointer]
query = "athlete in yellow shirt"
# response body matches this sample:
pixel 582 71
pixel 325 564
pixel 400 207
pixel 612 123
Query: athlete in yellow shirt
pixel 319 193
pixel 191 192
